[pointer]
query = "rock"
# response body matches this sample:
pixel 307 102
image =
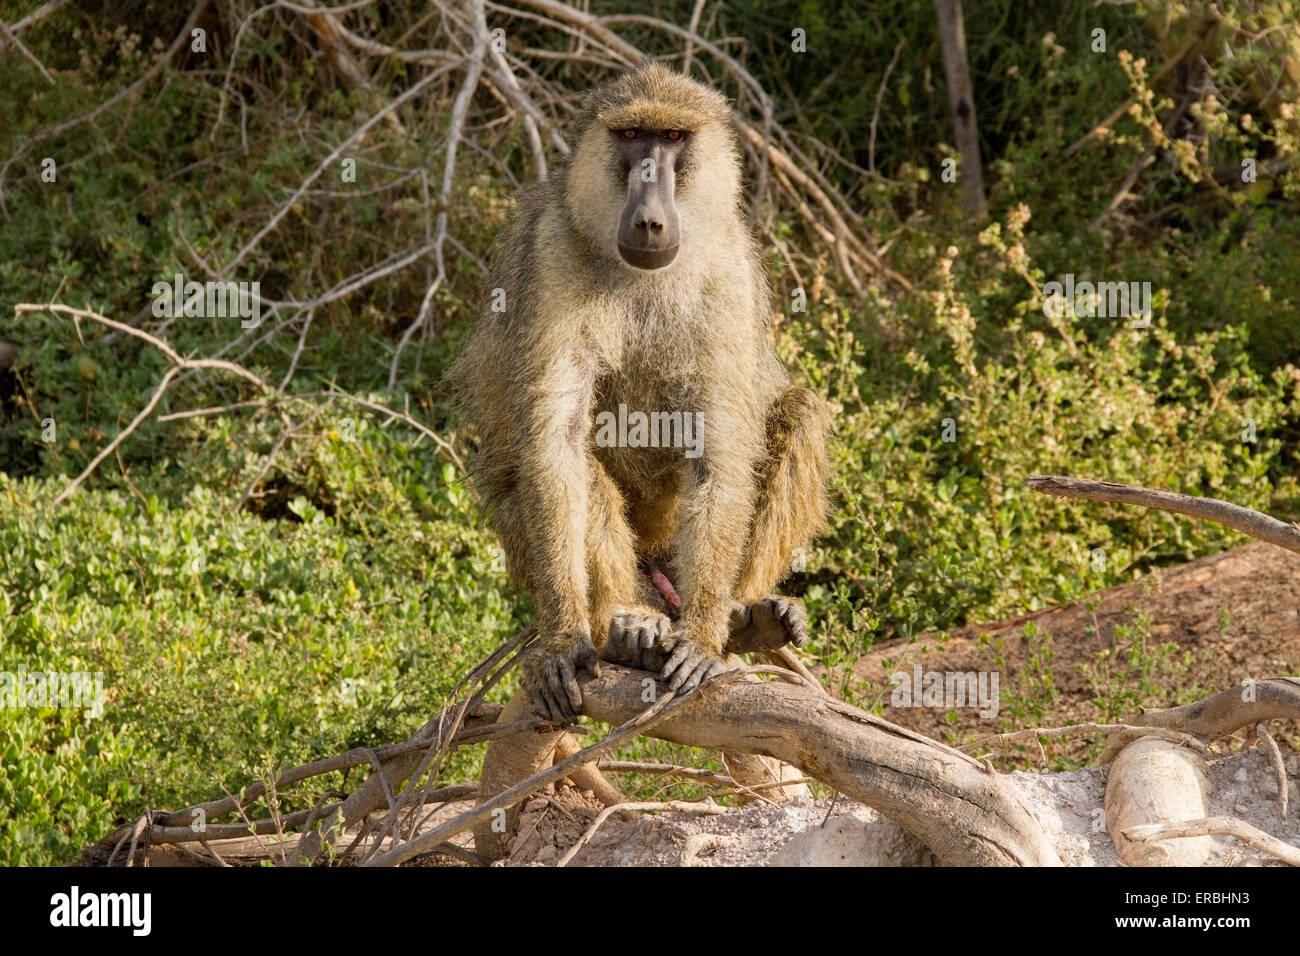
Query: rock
pixel 859 838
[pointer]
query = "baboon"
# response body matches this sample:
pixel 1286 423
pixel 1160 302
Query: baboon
pixel 626 284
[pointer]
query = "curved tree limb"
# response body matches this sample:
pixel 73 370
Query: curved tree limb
pixel 966 815
pixel 1217 826
pixel 1250 703
pixel 1246 520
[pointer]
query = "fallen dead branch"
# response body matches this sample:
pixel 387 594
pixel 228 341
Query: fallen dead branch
pixel 956 805
pixel 961 809
pixel 1216 826
pixel 1131 731
pixel 966 814
pixel 1246 520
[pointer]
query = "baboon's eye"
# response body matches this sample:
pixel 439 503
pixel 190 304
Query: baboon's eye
pixel 630 133
pixel 674 135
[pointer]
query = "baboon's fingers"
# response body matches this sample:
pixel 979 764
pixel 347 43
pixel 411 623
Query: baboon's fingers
pixel 637 638
pixel 559 708
pixel 706 669
pixel 568 681
pixel 586 661
pixel 689 664
pixel 564 713
pixel 795 619
pixel 547 687
pixel 675 670
pixel 740 616
pixel 616 637
pixel 543 705
pixel 559 693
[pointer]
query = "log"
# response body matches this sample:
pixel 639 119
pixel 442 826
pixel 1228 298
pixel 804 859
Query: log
pixel 1155 782
pixel 1246 520
pixel 965 813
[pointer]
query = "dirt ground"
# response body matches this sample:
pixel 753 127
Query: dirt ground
pixel 1232 615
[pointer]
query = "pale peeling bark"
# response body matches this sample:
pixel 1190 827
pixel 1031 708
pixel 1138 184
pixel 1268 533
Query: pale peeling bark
pixel 962 810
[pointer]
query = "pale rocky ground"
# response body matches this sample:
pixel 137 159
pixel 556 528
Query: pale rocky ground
pixel 1067 805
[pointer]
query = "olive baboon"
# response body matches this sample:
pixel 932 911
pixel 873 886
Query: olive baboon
pixel 630 281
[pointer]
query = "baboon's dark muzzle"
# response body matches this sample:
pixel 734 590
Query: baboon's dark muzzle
pixel 648 230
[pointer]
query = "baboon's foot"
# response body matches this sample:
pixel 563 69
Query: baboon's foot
pixel 766 625
pixel 691 661
pixel 638 637
pixel 644 638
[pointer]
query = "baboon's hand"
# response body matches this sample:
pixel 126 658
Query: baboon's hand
pixel 551 671
pixel 690 662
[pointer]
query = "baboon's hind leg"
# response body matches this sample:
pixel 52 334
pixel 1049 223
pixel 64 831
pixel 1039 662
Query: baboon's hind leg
pixel 791 504
pixel 790 509
pixel 614 580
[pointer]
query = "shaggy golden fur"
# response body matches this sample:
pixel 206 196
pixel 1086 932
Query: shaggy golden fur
pixel 583 332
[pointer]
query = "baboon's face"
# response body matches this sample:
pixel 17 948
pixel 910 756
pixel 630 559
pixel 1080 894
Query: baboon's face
pixel 649 230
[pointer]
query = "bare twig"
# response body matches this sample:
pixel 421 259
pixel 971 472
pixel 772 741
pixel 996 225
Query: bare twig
pixel 875 110
pixel 678 806
pixel 459 110
pixel 414 90
pixel 666 769
pixel 1217 826
pixel 692 29
pixel 40 13
pixel 787 658
pixel 179 365
pixel 1245 520
pixel 1075 730
pixel 12 37
pixel 1279 768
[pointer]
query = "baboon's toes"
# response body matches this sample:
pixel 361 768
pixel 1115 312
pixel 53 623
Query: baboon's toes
pixel 690 664
pixel 638 638
pixel 768 624
pixel 792 617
